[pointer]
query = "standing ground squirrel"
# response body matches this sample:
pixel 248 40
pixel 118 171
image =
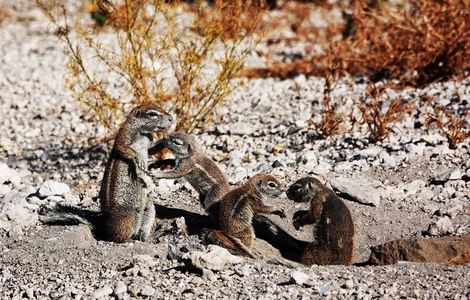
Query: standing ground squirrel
pixel 197 168
pixel 236 212
pixel 333 237
pixel 128 213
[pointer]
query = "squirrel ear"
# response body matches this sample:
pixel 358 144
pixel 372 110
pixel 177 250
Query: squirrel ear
pixel 310 186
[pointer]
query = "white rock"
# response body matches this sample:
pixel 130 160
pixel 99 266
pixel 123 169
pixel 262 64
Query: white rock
pixel 235 157
pixel 362 190
pixel 308 159
pixel 370 152
pixel 299 277
pixel 14 211
pixel 241 128
pixel 455 174
pixel 452 209
pixel 4 189
pixel 237 175
pixel 53 188
pixel 147 291
pixel 214 258
pixel 5 173
pixel 442 226
pixel 102 292
pixel 15 178
pixel 443 176
pixel 120 288
pixel 414 186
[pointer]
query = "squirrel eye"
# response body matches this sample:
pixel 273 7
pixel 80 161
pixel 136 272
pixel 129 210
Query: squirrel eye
pixel 153 113
pixel 272 184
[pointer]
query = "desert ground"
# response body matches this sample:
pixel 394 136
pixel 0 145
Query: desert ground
pixel 412 185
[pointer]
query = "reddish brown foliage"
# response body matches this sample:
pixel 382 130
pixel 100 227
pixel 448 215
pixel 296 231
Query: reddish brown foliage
pixel 379 112
pixel 454 126
pixel 330 120
pixel 426 42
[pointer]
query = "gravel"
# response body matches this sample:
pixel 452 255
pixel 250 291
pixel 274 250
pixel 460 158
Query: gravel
pixel 407 185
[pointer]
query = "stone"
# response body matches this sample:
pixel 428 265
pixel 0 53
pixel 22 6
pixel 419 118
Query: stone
pixel 441 250
pixel 215 258
pixel 235 157
pixel 14 211
pixel 5 173
pixel 445 175
pixel 442 226
pixel 147 291
pixel 260 167
pixel 120 288
pixel 349 284
pixel 299 277
pixel 102 292
pixel 241 128
pixel 4 189
pixel 308 159
pixel 414 186
pixel 236 175
pixel 15 178
pixel 455 174
pixel 277 164
pixel 53 188
pixel 361 190
pixel 324 288
pixel 452 209
pixel 208 275
pixel 222 129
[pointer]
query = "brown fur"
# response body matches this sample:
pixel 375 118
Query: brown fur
pixel 128 213
pixel 195 166
pixel 237 209
pixel 334 235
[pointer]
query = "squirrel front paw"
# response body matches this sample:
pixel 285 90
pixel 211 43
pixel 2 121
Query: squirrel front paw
pixel 296 218
pixel 141 163
pixel 280 213
pixel 146 180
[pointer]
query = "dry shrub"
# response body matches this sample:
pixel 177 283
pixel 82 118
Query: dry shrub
pixel 5 15
pixel 149 51
pixel 455 127
pixel 235 18
pixel 330 121
pixel 426 41
pixel 379 112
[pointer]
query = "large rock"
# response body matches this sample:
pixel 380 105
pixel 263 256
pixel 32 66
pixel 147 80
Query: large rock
pixel 53 188
pixel 9 175
pixel 442 226
pixel 361 190
pixel 4 173
pixel 16 211
pixel 441 250
pixel 214 258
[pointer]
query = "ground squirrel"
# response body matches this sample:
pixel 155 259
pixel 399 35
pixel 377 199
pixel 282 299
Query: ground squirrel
pixel 128 213
pixel 197 168
pixel 237 209
pixel 333 238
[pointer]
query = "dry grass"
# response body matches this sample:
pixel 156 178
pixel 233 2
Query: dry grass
pixel 422 42
pixel 454 125
pixel 330 121
pixel 5 15
pixel 156 55
pixel 380 113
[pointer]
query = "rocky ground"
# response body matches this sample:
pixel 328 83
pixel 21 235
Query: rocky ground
pixel 410 185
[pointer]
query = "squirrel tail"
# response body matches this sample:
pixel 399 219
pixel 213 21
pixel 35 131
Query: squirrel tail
pixel 66 214
pixel 233 244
